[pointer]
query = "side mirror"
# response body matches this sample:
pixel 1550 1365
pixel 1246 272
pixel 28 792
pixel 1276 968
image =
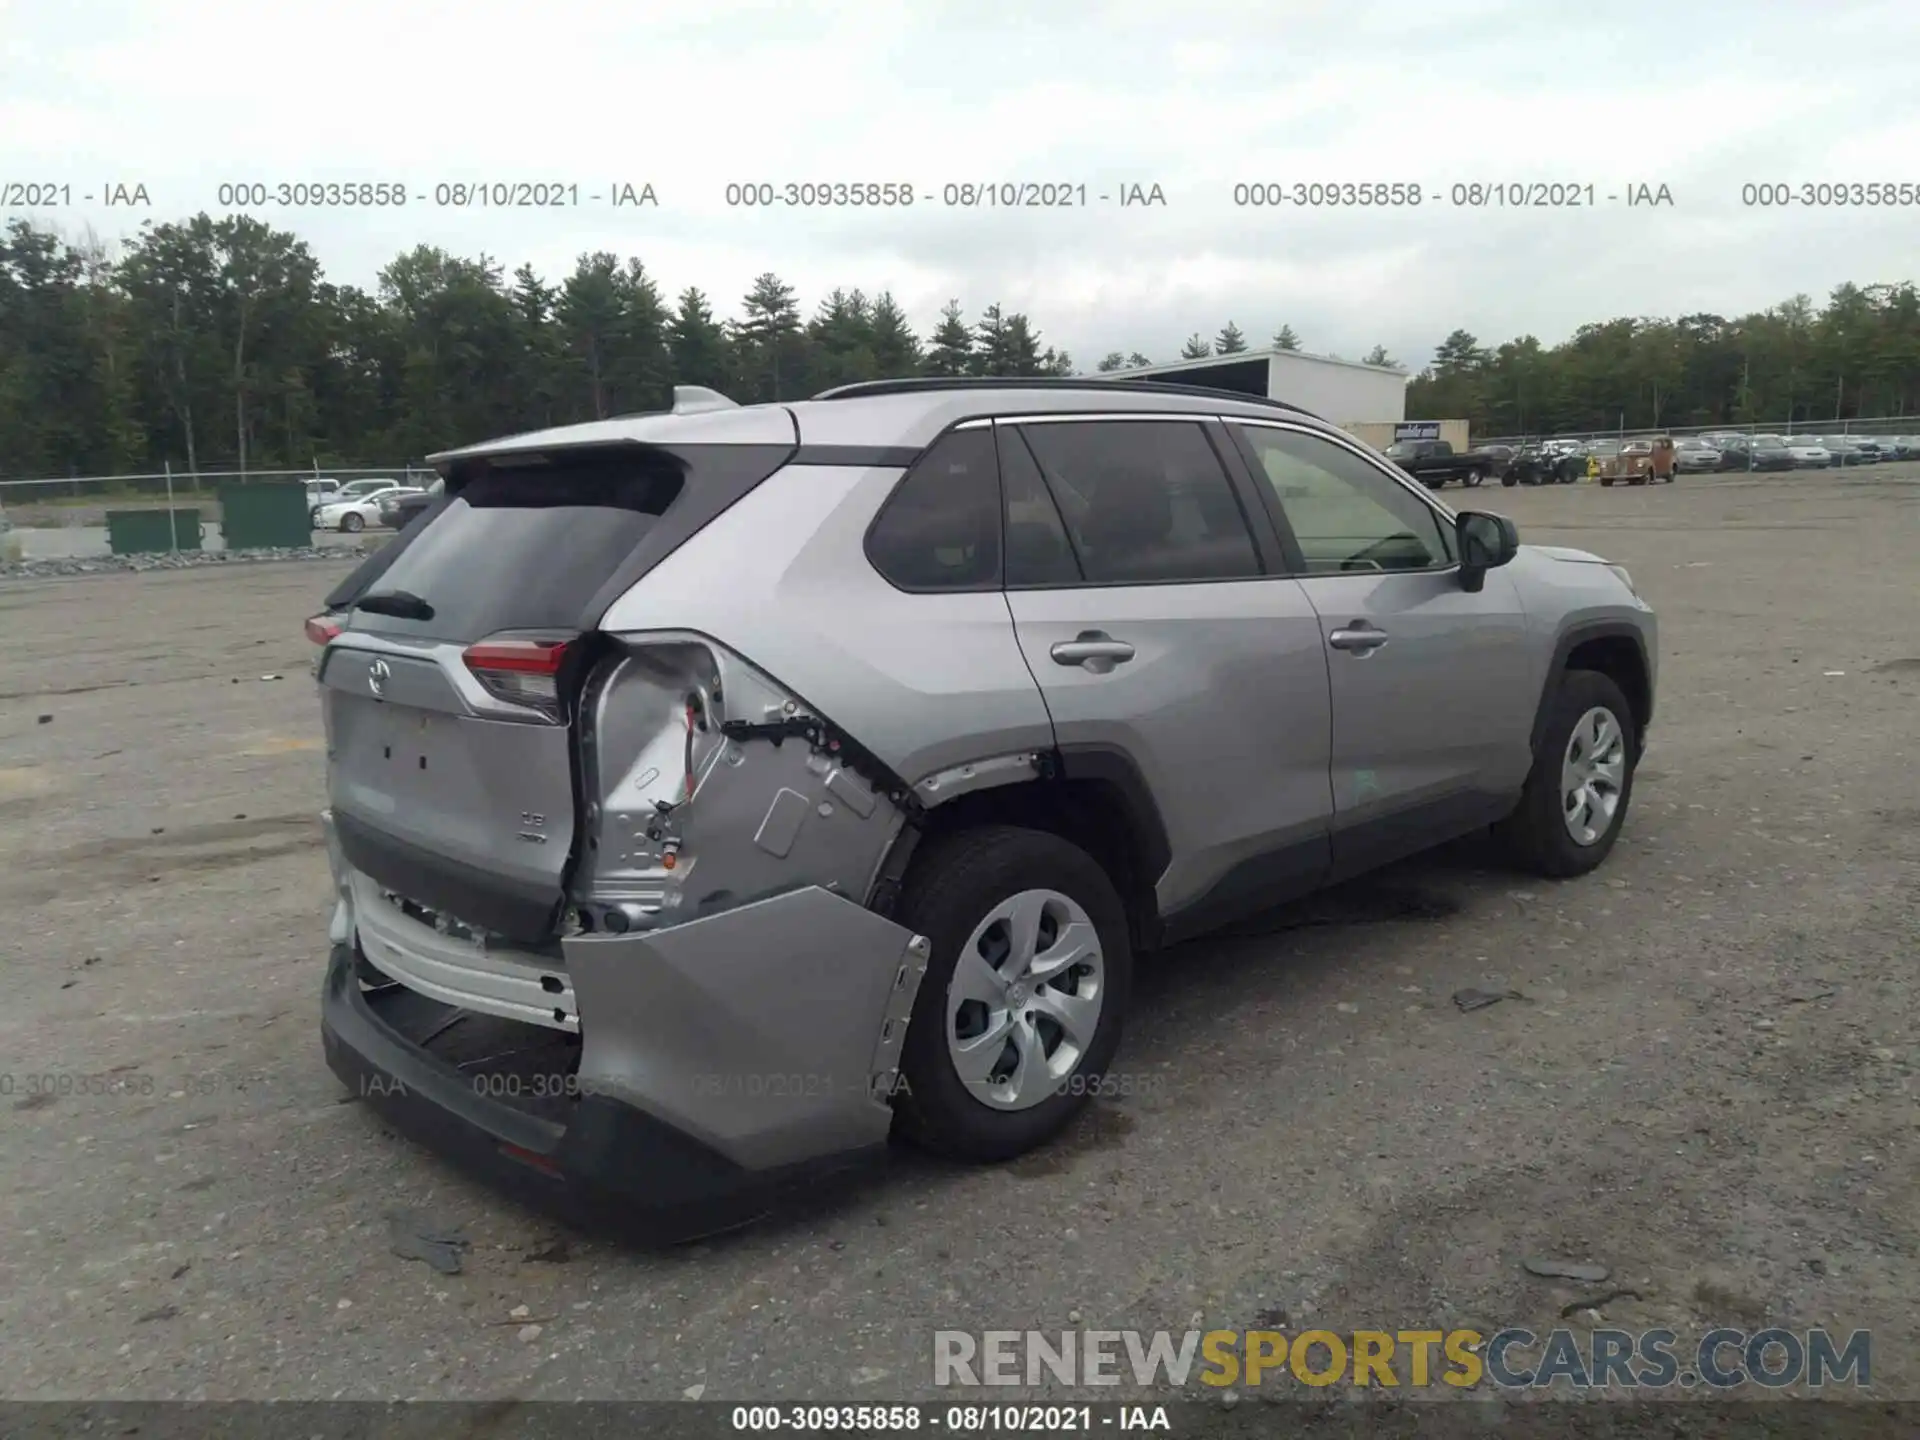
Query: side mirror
pixel 1486 542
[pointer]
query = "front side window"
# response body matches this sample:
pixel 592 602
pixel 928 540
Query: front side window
pixel 940 529
pixel 1144 501
pixel 1345 515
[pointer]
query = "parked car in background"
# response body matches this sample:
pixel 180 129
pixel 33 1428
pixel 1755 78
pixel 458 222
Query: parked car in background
pixel 1846 450
pixel 1569 461
pixel 352 490
pixel 355 507
pixel 1434 462
pixel 1538 465
pixel 1639 462
pixel 391 515
pixel 1695 457
pixel 1809 454
pixel 406 506
pixel 1769 452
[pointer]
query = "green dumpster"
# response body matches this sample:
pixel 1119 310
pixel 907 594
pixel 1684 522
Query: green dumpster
pixel 266 515
pixel 152 532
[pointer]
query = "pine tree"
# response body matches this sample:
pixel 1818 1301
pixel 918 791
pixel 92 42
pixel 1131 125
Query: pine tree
pixel 896 349
pixel 698 343
pixel 951 352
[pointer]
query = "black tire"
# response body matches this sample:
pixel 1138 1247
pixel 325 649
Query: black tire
pixel 1473 478
pixel 352 523
pixel 1509 479
pixel 313 518
pixel 951 885
pixel 1607 480
pixel 1535 835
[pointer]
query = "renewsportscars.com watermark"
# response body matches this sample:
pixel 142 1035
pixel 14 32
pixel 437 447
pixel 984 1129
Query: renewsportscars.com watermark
pixel 1510 1359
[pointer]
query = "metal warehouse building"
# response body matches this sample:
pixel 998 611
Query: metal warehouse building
pixel 1368 400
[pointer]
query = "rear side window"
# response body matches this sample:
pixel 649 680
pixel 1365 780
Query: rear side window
pixel 1145 501
pixel 940 528
pixel 525 549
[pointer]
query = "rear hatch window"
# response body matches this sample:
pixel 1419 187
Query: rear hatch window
pixel 525 549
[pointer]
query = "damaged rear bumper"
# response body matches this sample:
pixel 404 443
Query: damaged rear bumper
pixel 721 1064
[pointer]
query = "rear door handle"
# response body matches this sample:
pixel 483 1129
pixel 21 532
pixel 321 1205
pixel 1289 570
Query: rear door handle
pixel 1094 649
pixel 1358 637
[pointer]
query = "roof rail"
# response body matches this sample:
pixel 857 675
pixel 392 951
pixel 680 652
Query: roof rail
pixel 933 384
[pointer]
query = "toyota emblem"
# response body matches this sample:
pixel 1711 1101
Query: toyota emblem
pixel 377 676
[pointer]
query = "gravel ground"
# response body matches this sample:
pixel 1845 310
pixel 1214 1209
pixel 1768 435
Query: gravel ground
pixel 68 566
pixel 1709 1086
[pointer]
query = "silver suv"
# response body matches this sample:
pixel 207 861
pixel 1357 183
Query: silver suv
pixel 715 793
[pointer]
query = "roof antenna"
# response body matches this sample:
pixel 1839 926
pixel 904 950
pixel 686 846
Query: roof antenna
pixel 695 399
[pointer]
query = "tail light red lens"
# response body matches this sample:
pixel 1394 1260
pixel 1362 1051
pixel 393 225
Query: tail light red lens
pixel 521 672
pixel 323 628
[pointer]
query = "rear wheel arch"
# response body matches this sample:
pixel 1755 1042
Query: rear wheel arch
pixel 1094 797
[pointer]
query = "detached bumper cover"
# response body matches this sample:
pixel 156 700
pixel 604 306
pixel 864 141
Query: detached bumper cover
pixel 723 1065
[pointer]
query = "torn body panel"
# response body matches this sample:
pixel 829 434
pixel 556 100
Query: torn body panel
pixel 770 1032
pixel 708 786
pixel 957 780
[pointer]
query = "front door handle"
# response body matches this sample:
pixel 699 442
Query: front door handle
pixel 1359 637
pixel 1093 649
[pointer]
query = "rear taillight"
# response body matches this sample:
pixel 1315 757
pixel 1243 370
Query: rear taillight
pixel 323 628
pixel 521 672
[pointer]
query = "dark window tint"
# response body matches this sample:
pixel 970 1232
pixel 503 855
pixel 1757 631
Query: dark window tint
pixel 940 529
pixel 1345 514
pixel 524 549
pixel 1145 501
pixel 1038 551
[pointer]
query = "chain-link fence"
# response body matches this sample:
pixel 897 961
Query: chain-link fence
pixel 183 485
pixel 1873 429
pixel 76 517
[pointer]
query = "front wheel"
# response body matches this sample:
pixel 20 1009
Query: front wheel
pixel 1509 479
pixel 1025 992
pixel 1473 478
pixel 1607 480
pixel 352 523
pixel 1576 797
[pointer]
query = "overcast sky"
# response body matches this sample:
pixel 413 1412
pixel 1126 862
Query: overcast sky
pixel 1702 96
